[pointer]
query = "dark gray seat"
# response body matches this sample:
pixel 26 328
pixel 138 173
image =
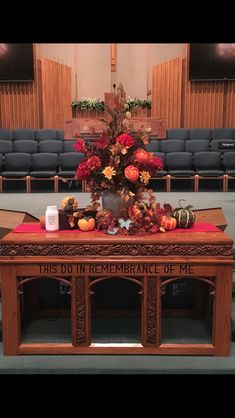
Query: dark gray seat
pixel 30 147
pixel 153 146
pixel 172 145
pixel 197 146
pixel 180 166
pixel 178 133
pixel 208 165
pixel 69 145
pixel 200 133
pixel 44 167
pixel 229 162
pixel 17 167
pixel 23 134
pixel 68 163
pixel 229 167
pixel 6 134
pixel 180 163
pixel 5 146
pixel 223 133
pixel 60 134
pixel 47 134
pixel 54 146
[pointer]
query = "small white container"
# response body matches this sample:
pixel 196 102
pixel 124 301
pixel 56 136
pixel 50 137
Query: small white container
pixel 52 218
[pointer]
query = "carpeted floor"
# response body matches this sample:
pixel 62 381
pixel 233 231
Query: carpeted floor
pixel 120 364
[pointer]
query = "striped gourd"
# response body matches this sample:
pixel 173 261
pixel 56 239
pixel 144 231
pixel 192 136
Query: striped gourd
pixel 185 216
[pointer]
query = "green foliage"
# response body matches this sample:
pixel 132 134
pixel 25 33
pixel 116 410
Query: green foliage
pixel 89 104
pixel 98 105
pixel 133 103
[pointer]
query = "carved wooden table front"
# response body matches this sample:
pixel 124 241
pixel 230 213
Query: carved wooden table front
pixel 81 260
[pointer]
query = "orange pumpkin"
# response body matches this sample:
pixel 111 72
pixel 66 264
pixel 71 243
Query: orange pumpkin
pixel 42 222
pixel 168 223
pixel 132 173
pixel 86 224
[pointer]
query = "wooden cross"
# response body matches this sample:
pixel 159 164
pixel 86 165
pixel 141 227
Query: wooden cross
pixel 113 57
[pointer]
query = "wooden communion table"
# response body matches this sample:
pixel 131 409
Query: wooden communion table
pixel 83 259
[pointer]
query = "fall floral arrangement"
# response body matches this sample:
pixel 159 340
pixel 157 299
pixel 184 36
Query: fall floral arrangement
pixel 120 164
pixel 118 161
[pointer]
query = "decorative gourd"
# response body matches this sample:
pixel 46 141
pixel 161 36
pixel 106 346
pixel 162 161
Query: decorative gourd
pixel 168 223
pixel 185 216
pixel 42 221
pixel 86 224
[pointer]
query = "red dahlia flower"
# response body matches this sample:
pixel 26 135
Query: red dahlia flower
pixel 125 140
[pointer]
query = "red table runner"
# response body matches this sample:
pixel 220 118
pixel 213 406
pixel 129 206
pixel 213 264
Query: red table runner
pixel 36 228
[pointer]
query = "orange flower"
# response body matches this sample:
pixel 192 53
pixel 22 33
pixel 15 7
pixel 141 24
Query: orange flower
pixel 145 177
pixel 141 156
pixel 132 173
pixel 109 172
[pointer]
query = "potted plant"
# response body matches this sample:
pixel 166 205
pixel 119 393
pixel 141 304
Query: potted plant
pixel 87 107
pixel 139 108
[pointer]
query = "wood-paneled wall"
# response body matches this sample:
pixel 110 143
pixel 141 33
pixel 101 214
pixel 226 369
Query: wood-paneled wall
pixel 191 104
pixel 229 105
pixel 43 103
pixel 56 94
pixel 167 91
pixel 203 101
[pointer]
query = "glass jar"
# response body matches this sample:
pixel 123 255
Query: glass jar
pixel 52 218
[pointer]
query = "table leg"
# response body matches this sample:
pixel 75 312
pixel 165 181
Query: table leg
pixel 222 311
pixel 10 312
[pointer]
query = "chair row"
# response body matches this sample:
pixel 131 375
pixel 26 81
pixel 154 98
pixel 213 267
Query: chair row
pixel 179 165
pixel 43 166
pixel 200 133
pixel 60 146
pixel 200 166
pixel 31 134
pixel 194 145
pixel 33 147
pixel 207 160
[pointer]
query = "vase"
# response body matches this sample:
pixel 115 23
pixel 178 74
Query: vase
pixel 113 202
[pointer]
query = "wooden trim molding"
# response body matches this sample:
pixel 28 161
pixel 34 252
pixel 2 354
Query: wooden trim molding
pixel 115 249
